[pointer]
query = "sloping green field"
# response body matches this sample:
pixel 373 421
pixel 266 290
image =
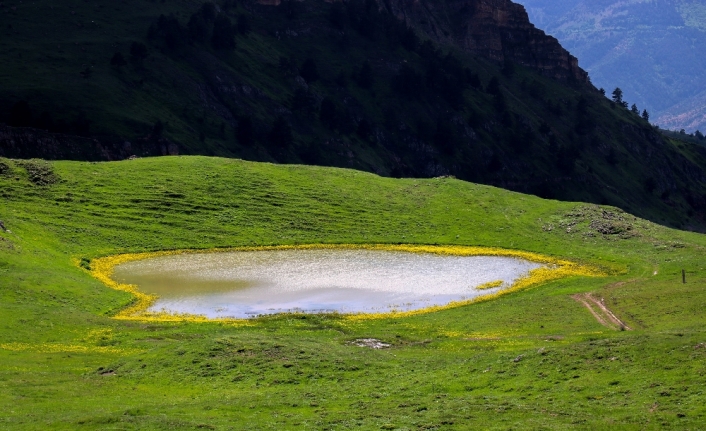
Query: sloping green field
pixel 537 359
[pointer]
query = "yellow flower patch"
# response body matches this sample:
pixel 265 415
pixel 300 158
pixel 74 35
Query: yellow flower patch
pixel 62 348
pixel 490 285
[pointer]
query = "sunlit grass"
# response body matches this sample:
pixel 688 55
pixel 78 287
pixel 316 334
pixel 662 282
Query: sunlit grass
pixel 532 357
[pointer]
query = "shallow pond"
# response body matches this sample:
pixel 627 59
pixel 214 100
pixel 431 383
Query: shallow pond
pixel 247 283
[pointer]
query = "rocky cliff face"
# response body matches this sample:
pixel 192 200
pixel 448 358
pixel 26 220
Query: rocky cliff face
pixel 26 142
pixel 496 29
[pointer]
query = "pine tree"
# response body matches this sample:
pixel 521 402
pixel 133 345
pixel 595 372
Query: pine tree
pixel 329 113
pixel 118 60
pixel 309 71
pixel 223 33
pixel 138 52
pixel 618 96
pixel 493 86
pixel 645 115
pixel 365 77
pixel 281 133
pixel 244 132
pixel 244 24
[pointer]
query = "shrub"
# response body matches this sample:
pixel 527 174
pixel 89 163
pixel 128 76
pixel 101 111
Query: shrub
pixel 508 69
pixel 40 172
pixel 365 76
pixel 5 168
pixel 342 79
pixel 244 26
pixel 85 263
pixel 223 33
pixel 309 71
pixel 208 11
pixel 198 28
pixel 473 79
pixel 650 184
pixel 171 31
pixel 281 133
pixel 337 15
pixel 493 86
pixel 365 129
pixel 329 113
pixel 444 137
pixel 288 65
pixel 118 60
pixel 410 40
pixel 303 101
pixel 408 83
pixel 138 52
pixel 244 131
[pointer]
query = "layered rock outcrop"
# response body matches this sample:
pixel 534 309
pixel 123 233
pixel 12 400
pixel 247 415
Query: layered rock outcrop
pixel 26 142
pixel 499 30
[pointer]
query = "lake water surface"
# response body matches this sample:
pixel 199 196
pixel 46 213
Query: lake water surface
pixel 248 283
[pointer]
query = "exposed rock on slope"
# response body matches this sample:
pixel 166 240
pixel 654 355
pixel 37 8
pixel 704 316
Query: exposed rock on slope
pixel 496 29
pixel 25 142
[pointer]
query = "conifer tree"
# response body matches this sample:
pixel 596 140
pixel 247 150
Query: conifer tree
pixel 309 71
pixel 281 133
pixel 118 60
pixel 365 77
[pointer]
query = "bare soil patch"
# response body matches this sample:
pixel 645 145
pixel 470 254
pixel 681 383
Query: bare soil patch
pixel 602 314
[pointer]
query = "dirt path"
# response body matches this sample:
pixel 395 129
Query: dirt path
pixel 602 314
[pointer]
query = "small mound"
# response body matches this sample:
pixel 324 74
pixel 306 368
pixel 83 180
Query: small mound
pixel 5 168
pixel 40 172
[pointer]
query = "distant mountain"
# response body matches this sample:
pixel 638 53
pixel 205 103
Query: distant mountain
pixel 655 51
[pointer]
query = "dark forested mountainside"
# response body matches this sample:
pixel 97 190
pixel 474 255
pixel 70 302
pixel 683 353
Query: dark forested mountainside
pixel 468 88
pixel 652 50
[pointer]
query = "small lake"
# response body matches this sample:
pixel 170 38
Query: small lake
pixel 249 283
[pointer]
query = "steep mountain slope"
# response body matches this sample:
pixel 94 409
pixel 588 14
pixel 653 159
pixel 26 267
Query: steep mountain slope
pixel 468 88
pixel 652 50
pixel 498 30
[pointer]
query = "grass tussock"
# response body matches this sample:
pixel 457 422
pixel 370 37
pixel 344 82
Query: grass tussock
pixel 5 168
pixel 39 172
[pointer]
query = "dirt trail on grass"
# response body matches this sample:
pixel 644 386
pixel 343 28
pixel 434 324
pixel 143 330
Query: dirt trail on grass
pixel 602 314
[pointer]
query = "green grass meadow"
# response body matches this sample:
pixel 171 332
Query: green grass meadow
pixel 536 359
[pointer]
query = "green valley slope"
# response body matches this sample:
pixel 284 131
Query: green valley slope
pixel 537 359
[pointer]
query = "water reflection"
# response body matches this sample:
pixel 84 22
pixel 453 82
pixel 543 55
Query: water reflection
pixel 243 284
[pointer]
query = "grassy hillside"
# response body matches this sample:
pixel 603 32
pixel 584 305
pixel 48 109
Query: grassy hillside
pixel 323 84
pixel 537 359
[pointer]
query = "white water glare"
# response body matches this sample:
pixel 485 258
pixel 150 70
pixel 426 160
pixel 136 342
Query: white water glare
pixel 248 283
